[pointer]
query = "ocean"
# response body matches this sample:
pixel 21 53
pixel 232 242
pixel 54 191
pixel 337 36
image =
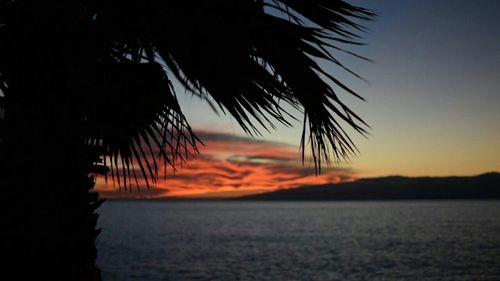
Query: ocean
pixel 230 240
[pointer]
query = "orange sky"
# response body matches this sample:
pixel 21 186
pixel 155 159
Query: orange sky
pixel 230 165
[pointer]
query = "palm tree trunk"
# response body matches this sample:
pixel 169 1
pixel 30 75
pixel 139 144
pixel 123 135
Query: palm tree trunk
pixel 46 192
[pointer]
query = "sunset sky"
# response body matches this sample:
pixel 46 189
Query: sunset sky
pixel 433 104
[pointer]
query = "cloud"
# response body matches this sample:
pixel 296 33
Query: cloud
pixel 142 193
pixel 209 136
pixel 230 163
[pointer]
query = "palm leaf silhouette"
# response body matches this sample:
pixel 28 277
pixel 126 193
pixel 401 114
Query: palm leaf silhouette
pixel 249 57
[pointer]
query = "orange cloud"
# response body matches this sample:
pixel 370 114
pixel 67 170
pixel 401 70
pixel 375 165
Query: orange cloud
pixel 230 165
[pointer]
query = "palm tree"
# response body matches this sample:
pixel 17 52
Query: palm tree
pixel 85 88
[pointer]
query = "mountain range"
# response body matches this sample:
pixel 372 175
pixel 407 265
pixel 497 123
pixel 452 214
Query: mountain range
pixel 484 186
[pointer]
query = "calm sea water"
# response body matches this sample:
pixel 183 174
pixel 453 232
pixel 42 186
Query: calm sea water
pixel 440 240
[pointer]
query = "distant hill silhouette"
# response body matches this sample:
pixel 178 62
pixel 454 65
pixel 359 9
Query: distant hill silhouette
pixel 485 186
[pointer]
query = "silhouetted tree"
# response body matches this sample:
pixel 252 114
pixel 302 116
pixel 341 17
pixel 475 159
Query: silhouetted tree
pixel 84 81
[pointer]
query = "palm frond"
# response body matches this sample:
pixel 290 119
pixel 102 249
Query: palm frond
pixel 134 116
pixel 251 58
pixel 247 60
